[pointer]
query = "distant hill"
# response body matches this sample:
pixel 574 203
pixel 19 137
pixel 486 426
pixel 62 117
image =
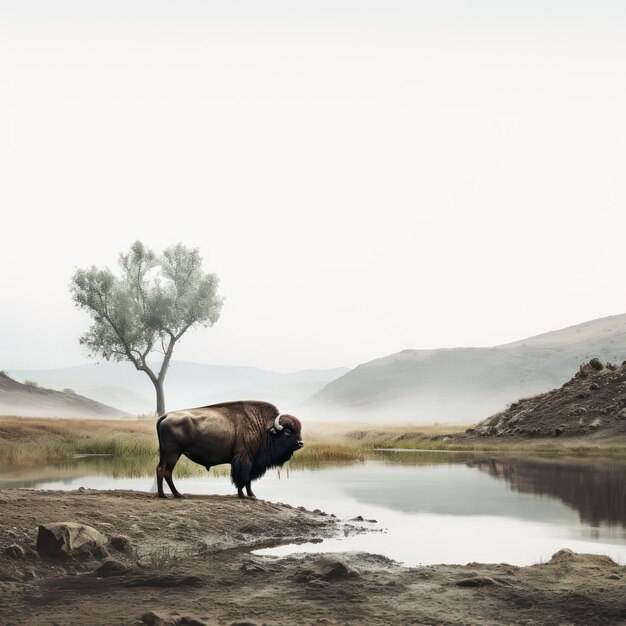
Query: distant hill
pixel 591 405
pixel 28 400
pixel 457 385
pixel 187 384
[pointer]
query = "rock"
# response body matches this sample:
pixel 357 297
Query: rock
pixel 29 574
pixel 186 620
pixel 251 529
pixel 243 624
pixel 563 555
pixel 111 567
pixel 252 568
pixel 154 619
pixel 594 386
pixel 558 432
pixel 15 552
pixel 476 581
pixel 12 534
pixel 358 518
pixel 32 555
pixel 69 539
pixel 331 569
pixel 622 414
pixel 578 410
pixel 100 552
pixel 121 543
pixel 596 364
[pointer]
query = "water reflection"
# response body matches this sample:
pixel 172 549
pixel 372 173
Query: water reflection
pixel 436 507
pixel 596 489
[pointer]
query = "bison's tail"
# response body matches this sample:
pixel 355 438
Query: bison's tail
pixel 158 424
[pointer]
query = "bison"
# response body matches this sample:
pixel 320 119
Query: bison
pixel 252 436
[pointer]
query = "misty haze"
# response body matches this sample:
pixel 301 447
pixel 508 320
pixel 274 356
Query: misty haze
pixel 313 313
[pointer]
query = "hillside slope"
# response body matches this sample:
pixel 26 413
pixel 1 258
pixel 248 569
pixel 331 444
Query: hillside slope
pixel 465 384
pixel 187 384
pixel 592 405
pixel 26 400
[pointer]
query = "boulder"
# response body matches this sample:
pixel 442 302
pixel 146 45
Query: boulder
pixel 596 364
pixel 69 539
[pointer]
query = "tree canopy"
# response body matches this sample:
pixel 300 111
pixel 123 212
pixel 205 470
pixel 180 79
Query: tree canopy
pixel 147 309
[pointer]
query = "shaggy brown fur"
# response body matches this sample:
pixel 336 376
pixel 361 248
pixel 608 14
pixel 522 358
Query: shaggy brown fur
pixel 239 433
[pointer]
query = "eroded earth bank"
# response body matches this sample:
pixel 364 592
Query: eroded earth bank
pixel 189 562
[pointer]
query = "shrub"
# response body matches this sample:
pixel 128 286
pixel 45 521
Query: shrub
pixel 31 383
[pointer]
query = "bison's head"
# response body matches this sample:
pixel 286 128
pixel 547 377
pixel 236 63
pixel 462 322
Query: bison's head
pixel 286 434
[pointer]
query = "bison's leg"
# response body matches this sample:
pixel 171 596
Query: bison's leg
pixel 160 473
pixel 169 463
pixel 249 490
pixel 240 473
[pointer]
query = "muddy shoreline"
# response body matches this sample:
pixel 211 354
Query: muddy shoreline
pixel 189 561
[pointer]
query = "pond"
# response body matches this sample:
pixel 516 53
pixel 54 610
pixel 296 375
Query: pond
pixel 429 508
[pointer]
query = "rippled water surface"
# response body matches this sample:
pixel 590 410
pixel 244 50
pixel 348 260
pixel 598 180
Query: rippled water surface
pixel 429 508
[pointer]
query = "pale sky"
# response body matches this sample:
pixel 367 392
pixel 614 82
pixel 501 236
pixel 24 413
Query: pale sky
pixel 364 176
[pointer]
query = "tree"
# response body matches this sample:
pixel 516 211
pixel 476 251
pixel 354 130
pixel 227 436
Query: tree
pixel 157 299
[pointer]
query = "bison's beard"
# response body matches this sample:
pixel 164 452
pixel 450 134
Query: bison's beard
pixel 273 455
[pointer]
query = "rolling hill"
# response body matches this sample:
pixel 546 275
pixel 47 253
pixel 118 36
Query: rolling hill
pixel 463 385
pixel 187 384
pixel 27 400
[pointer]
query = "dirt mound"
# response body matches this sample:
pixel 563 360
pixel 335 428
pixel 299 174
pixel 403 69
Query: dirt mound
pixel 592 405
pixel 34 401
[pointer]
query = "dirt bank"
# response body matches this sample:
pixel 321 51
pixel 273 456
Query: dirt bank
pixel 588 409
pixel 190 559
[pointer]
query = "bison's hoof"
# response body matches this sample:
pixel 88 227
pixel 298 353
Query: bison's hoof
pixel 179 495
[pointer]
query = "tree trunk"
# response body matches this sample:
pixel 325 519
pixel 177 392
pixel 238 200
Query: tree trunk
pixel 160 397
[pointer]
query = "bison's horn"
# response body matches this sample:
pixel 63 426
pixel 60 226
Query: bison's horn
pixel 277 424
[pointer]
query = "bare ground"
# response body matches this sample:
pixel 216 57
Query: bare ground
pixel 189 562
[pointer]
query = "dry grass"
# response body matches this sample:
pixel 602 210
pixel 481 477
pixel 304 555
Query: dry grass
pixel 27 441
pixel 34 441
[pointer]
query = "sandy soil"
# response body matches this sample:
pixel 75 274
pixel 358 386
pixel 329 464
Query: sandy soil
pixel 189 562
